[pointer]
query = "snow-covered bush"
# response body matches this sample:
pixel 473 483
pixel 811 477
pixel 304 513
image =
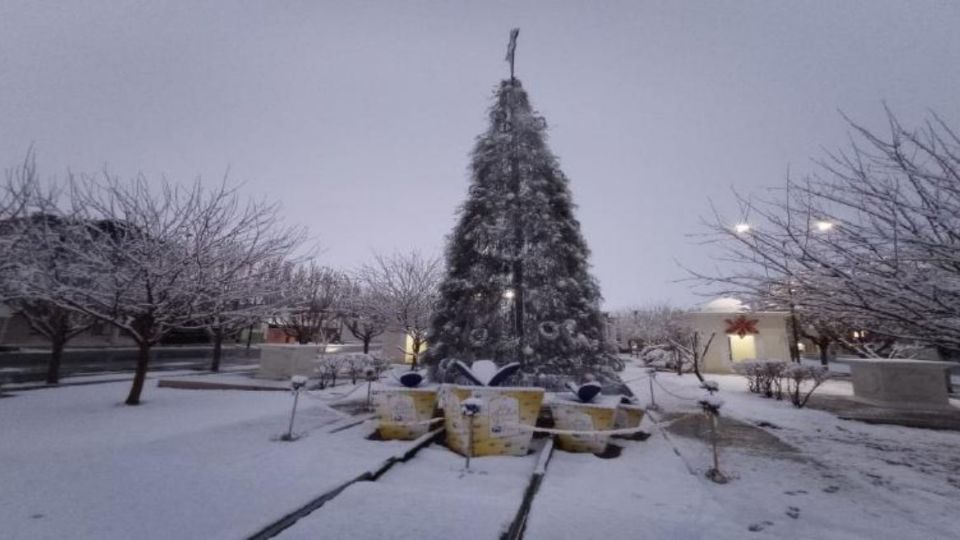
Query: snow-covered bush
pixel 377 364
pixel 710 386
pixel 663 356
pixel 764 377
pixel 329 367
pixel 711 404
pixel 297 382
pixel 353 365
pixel 802 381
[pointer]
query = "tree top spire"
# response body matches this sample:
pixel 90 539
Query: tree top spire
pixel 512 49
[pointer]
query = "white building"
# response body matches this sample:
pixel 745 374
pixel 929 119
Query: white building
pixel 739 334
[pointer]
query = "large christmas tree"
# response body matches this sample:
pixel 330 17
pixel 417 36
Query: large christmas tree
pixel 517 286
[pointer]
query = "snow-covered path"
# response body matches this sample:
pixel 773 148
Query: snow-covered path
pixel 428 497
pixel 74 463
pixel 647 492
pixel 846 480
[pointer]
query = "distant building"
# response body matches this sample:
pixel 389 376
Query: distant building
pixel 398 347
pixel 15 331
pixel 739 334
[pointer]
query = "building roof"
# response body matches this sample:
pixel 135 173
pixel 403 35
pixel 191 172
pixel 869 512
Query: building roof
pixel 724 304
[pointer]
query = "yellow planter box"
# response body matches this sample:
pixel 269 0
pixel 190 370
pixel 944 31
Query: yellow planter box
pixel 404 413
pixel 498 427
pixel 576 416
pixel 628 416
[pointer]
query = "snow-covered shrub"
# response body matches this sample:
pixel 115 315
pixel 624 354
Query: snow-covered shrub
pixel 663 356
pixel 802 381
pixel 297 382
pixel 711 404
pixel 710 386
pixel 353 365
pixel 329 367
pixel 377 364
pixel 764 377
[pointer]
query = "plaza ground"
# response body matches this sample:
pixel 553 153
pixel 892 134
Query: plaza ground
pixel 76 463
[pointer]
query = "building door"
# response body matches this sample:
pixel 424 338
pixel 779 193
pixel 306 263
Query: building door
pixel 742 347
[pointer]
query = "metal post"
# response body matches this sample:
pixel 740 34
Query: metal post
pixel 293 413
pixel 653 400
pixel 713 436
pixel 469 440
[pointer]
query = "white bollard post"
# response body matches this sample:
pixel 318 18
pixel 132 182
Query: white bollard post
pixel 651 375
pixel 297 383
pixel 470 408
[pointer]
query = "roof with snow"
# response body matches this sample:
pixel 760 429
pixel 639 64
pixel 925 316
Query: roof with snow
pixel 725 304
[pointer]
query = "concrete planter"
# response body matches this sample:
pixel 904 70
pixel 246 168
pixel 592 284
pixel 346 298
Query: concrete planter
pixel 404 413
pixel 901 383
pixel 497 427
pixel 595 416
pixel 284 361
pixel 628 416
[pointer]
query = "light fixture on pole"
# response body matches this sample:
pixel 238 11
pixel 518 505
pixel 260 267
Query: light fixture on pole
pixel 742 228
pixel 823 225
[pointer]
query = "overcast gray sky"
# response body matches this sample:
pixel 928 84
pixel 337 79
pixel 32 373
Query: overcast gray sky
pixel 359 116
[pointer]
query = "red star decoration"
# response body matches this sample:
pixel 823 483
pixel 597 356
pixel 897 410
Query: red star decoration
pixel 742 326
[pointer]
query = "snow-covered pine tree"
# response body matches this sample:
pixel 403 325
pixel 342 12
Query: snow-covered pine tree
pixel 517 285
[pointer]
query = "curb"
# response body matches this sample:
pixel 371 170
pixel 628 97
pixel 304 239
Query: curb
pixel 288 520
pixel 519 523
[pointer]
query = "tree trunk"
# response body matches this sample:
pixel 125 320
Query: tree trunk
pixel 795 336
pixel 414 354
pixel 366 344
pixel 217 351
pixel 143 359
pixel 56 356
pixel 824 347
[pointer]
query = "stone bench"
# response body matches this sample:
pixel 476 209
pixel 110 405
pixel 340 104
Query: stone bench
pixel 901 383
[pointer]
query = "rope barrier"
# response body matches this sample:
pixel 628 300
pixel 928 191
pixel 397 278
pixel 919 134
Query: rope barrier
pixel 416 423
pixel 640 378
pixel 672 394
pixel 333 398
pixel 552 431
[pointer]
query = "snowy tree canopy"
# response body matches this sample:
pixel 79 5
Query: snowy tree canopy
pixel 873 244
pixel 517 285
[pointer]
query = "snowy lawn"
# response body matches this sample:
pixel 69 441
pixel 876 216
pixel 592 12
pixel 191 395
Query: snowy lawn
pixel 202 464
pixel 75 463
pixel 429 496
pixel 844 480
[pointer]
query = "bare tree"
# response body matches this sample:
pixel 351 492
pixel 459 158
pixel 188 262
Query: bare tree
pixel 875 240
pixel 311 297
pixel 405 286
pixel 31 226
pixel 363 315
pixel 239 277
pixel 144 250
pixel 648 325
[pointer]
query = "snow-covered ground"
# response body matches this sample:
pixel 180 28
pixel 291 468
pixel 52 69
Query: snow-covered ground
pixel 76 463
pixel 845 480
pixel 430 496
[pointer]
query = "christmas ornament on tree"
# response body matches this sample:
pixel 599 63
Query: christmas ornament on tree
pixel 517 286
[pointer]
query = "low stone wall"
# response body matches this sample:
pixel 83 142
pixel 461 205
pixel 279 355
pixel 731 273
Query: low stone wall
pixel 29 363
pixel 901 383
pixel 284 361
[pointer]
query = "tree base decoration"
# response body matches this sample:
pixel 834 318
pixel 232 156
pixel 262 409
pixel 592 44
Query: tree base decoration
pixel 405 411
pixel 502 427
pixel 598 415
